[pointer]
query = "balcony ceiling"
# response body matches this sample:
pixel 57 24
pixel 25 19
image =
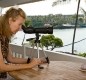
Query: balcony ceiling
pixel 7 3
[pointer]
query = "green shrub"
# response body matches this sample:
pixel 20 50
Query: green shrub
pixel 82 54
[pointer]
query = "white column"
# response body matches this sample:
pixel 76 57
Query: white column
pixel 1 11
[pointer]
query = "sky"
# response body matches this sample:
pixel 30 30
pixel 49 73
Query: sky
pixel 46 8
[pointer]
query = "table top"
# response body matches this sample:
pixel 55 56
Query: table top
pixel 57 70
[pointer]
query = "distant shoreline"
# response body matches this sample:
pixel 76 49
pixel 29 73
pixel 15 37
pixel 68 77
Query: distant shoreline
pixel 66 27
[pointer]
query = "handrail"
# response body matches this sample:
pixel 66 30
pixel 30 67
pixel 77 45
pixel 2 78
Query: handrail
pixel 53 56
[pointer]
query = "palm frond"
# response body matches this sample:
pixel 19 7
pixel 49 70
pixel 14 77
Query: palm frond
pixel 83 11
pixel 60 2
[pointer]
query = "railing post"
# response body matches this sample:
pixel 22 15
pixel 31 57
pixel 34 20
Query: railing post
pixel 1 11
pixel 75 27
pixel 24 54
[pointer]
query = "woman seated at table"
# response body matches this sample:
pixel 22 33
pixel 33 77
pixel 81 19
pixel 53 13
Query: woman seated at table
pixel 10 23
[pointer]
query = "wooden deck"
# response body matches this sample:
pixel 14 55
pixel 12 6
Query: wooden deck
pixel 57 70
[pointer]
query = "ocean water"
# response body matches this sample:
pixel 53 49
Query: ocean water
pixel 65 34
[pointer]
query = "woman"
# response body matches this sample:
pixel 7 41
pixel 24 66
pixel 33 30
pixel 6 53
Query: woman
pixel 10 23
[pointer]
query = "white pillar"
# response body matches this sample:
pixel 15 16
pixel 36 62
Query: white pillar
pixel 1 11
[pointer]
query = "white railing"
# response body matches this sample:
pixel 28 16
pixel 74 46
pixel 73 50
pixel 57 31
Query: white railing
pixel 21 51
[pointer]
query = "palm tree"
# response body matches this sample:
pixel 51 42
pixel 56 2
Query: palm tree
pixel 75 26
pixel 62 1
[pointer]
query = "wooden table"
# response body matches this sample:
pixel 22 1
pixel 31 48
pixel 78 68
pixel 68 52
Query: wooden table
pixel 57 70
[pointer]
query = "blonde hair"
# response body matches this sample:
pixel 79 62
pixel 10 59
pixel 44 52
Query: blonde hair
pixel 4 20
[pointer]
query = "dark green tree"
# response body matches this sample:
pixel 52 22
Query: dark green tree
pixel 51 41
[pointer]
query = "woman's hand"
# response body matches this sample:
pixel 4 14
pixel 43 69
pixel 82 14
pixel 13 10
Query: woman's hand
pixel 37 61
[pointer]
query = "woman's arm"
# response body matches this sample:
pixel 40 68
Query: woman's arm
pixel 10 67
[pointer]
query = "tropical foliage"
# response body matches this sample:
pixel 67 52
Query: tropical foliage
pixel 84 12
pixel 27 22
pixel 82 54
pixel 60 2
pixel 49 42
pixel 55 20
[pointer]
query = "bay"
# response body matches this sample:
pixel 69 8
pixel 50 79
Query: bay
pixel 65 34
